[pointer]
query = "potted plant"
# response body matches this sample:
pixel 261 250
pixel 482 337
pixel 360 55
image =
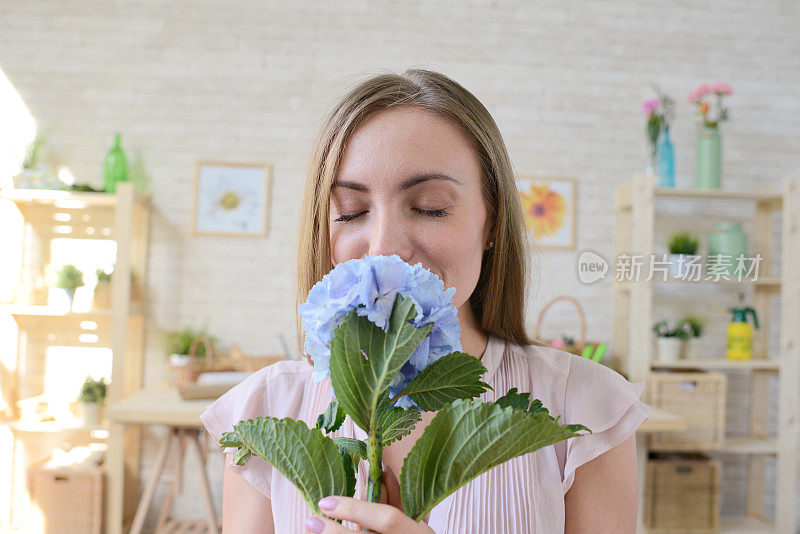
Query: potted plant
pixel 92 398
pixel 668 340
pixel 179 341
pixel 188 351
pixel 69 278
pixel 36 174
pixel 696 326
pixel 102 291
pixel 681 245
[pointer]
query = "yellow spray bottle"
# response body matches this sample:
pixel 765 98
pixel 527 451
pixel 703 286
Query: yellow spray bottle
pixel 740 335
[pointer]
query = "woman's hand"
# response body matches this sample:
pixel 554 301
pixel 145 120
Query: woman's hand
pixel 384 518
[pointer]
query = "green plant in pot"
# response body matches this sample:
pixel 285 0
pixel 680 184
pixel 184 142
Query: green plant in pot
pixel 92 398
pixel 696 325
pixel 682 252
pixel 69 278
pixel 180 341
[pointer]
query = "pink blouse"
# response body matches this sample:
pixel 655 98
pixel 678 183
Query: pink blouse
pixel 523 495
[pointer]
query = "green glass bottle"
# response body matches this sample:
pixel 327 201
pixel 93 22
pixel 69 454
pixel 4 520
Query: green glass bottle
pixel 116 166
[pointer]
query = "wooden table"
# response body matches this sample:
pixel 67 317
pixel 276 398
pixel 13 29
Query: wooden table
pixel 157 405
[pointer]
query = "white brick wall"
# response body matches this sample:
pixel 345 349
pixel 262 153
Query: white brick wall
pixel 248 81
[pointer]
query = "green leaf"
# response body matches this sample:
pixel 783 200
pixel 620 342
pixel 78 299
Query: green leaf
pixel 397 422
pixel 351 468
pixel 518 401
pixel 230 439
pixel 354 447
pixel 310 460
pixel 466 439
pixel 365 359
pixel 332 418
pixel 241 456
pixel 451 377
pixel 521 401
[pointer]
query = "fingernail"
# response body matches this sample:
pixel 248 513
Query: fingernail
pixel 328 503
pixel 314 524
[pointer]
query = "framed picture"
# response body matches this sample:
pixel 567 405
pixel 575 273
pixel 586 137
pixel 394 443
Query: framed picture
pixel 548 205
pixel 231 199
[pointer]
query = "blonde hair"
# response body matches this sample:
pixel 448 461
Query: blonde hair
pixel 499 297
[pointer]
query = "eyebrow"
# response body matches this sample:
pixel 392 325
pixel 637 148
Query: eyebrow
pixel 408 183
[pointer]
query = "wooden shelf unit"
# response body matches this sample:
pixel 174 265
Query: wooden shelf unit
pixel 45 215
pixel 635 222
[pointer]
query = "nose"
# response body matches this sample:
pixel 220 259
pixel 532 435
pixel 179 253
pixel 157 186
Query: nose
pixel 389 236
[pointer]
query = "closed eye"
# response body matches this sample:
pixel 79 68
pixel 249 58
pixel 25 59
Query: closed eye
pixel 428 213
pixel 432 213
pixel 349 217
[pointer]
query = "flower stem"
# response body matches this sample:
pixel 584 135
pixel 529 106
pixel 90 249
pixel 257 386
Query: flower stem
pixel 375 468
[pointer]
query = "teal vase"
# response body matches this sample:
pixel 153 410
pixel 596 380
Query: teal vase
pixel 708 173
pixel 115 169
pixel 666 160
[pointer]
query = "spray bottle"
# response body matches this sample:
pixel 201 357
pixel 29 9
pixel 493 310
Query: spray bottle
pixel 740 335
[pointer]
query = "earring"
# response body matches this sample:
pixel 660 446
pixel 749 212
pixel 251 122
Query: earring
pixel 491 244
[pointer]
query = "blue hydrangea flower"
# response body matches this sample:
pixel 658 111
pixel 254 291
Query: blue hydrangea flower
pixel 370 285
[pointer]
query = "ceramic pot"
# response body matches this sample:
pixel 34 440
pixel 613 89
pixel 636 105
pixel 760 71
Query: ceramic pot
pixel 669 349
pixel 708 172
pixel 678 265
pixel 102 296
pixel 726 242
pixel 691 348
pixel 91 413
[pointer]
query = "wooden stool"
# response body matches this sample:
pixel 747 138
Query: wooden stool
pixel 165 524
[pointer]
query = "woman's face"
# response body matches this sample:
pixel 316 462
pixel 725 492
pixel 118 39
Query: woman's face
pixel 409 184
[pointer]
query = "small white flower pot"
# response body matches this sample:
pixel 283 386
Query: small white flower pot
pixel 91 413
pixel 181 360
pixel 679 265
pixel 669 349
pixel 70 297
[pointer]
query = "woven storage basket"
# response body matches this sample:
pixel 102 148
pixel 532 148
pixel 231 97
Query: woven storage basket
pixel 698 398
pixel 66 500
pixel 188 374
pixel 682 494
pixel 580 342
pixel 239 361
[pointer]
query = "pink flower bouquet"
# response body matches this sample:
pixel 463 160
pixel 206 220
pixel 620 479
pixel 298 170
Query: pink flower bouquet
pixel 708 99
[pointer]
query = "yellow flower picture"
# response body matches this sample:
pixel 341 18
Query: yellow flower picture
pixel 548 208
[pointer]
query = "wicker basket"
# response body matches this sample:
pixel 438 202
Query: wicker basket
pixel 66 500
pixel 579 344
pixel 682 494
pixel 187 374
pixel 698 398
pixel 240 361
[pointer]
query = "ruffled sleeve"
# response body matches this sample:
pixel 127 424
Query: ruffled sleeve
pixel 248 400
pixel 602 400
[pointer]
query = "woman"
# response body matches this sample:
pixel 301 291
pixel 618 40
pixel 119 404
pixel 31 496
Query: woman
pixel 414 165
